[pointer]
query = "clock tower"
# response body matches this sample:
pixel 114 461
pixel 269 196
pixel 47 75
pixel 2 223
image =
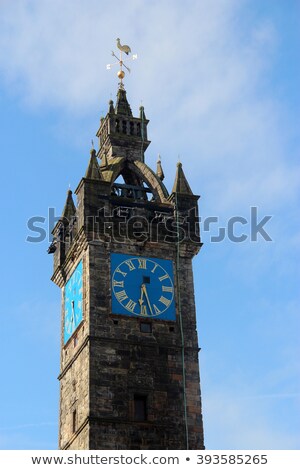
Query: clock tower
pixel 129 374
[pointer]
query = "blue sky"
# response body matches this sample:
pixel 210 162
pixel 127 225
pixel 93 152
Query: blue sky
pixel 220 84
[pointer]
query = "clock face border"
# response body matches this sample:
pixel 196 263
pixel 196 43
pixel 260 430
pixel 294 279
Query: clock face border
pixel 73 314
pixel 142 287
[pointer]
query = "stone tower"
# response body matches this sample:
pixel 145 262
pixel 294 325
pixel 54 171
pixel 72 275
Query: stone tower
pixel 129 376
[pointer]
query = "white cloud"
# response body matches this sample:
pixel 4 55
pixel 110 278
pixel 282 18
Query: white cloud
pixel 27 425
pixel 58 50
pixel 202 73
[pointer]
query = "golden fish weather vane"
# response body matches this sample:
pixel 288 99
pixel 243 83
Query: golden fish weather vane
pixel 123 49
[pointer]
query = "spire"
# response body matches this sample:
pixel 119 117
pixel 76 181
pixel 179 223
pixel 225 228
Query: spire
pixel 93 170
pixel 69 210
pixel 180 184
pixel 159 170
pixel 122 105
pixel 120 126
pixel 111 108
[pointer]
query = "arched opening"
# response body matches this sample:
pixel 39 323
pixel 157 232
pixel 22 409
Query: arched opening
pixel 135 180
pixel 129 186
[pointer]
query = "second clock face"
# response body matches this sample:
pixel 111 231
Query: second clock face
pixel 73 302
pixel 142 287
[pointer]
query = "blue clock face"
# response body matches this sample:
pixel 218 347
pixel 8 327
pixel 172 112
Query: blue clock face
pixel 73 302
pixel 142 287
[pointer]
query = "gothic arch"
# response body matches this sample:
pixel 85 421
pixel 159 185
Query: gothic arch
pixel 135 173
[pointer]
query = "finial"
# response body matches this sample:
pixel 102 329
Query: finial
pixel 69 208
pixel 93 171
pixel 111 108
pixel 142 113
pixel 127 50
pixel 181 184
pixel 92 151
pixel 159 170
pixel 158 158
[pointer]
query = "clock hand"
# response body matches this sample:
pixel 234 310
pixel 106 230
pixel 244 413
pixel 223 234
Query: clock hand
pixel 141 300
pixel 147 298
pixel 73 312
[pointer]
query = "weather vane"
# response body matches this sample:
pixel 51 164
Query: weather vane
pixel 121 73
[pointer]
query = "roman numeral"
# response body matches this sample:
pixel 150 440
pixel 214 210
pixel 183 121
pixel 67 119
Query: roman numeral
pixel 142 263
pixel 130 265
pixel 157 311
pixel 143 310
pixel 167 289
pixel 118 283
pixel 121 295
pixel 165 301
pixel 155 266
pixel 162 278
pixel 118 270
pixel 130 305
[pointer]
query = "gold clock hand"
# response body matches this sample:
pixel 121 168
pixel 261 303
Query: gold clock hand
pixel 147 298
pixel 141 300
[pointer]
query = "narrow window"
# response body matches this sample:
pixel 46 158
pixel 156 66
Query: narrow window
pixel 140 408
pixel 74 421
pixel 145 327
